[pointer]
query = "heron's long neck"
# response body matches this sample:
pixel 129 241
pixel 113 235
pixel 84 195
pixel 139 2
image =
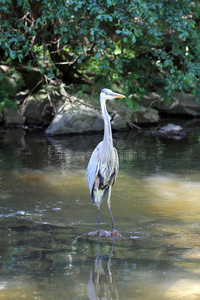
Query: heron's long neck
pixel 107 139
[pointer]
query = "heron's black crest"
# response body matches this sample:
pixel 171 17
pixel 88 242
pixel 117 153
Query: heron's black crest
pixel 106 91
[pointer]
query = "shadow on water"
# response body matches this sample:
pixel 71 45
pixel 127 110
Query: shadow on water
pixel 45 211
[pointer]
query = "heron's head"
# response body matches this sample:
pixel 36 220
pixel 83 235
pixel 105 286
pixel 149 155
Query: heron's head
pixel 107 94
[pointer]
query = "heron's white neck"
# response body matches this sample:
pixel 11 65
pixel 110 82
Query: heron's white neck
pixel 107 138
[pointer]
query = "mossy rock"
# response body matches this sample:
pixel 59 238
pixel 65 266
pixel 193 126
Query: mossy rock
pixel 39 108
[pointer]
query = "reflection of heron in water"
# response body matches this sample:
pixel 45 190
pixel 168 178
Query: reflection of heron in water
pixel 100 283
pixel 103 165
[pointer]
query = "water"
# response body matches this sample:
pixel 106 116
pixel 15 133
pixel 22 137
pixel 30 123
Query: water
pixel 45 211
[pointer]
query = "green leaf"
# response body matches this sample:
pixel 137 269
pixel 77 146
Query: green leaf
pixel 12 54
pixel 97 55
pixel 99 17
pixel 125 39
pixel 151 20
pixel 133 39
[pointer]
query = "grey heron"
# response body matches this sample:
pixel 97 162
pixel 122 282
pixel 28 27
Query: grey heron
pixel 103 165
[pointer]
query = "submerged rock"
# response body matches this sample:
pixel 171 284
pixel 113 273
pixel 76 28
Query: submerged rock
pixel 171 127
pixel 170 131
pixel 104 233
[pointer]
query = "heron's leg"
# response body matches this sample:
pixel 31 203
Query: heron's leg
pixel 98 213
pixel 109 206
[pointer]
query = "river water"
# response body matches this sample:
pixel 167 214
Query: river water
pixel 45 212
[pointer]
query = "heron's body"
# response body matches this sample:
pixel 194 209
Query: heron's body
pixel 103 174
pixel 103 165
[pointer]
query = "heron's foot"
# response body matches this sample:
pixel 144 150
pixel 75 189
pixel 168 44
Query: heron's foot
pixel 105 233
pixel 101 233
pixel 115 233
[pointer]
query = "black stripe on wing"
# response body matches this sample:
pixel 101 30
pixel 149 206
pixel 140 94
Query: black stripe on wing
pixel 104 186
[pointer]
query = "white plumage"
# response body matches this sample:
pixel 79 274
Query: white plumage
pixel 103 165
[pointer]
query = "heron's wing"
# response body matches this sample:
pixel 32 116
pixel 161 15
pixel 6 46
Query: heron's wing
pixel 93 167
pixel 116 164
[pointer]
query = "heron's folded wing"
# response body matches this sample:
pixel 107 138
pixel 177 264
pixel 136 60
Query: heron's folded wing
pixel 116 163
pixel 93 168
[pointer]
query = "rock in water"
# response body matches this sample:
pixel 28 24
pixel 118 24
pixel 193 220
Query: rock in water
pixel 169 131
pixel 170 127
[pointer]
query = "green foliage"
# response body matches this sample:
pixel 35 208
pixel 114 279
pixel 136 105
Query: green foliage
pixel 10 84
pixel 138 45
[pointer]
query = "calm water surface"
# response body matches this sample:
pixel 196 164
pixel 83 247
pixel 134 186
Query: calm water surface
pixel 45 211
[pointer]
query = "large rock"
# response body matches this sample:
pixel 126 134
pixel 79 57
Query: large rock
pixel 145 116
pixel 14 117
pixel 75 117
pixel 181 105
pixel 184 105
pixel 142 115
pixel 39 108
pixel 119 122
pixel 152 100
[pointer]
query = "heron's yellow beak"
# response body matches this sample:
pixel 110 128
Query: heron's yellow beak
pixel 116 95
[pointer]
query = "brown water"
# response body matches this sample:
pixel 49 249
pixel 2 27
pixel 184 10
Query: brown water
pixel 45 211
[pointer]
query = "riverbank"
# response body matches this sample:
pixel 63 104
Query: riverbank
pixel 60 112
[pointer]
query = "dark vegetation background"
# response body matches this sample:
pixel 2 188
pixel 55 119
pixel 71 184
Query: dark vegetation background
pixel 134 47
